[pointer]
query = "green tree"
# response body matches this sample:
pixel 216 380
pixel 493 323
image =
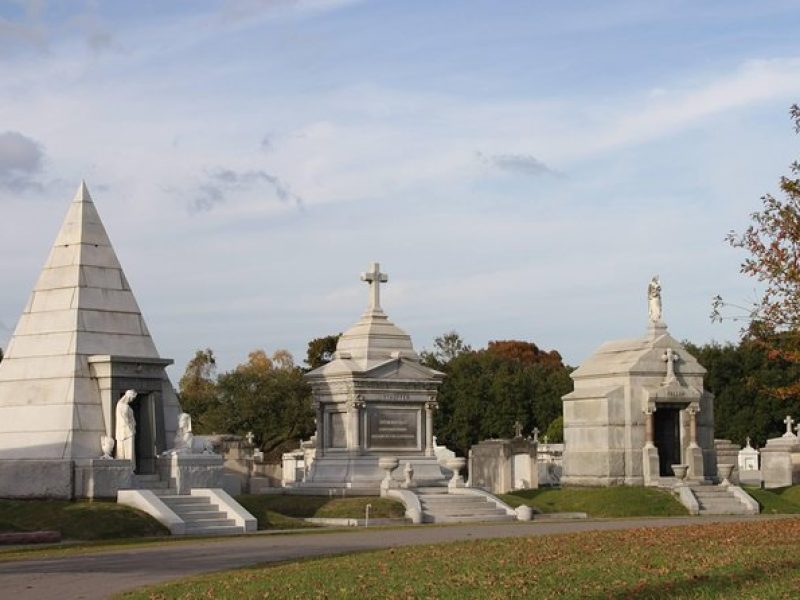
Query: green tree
pixel 743 378
pixel 772 242
pixel 446 347
pixel 487 391
pixel 269 397
pixel 555 431
pixel 198 388
pixel 266 395
pixel 320 350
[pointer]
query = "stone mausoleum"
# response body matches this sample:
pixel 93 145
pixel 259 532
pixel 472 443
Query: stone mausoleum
pixel 80 343
pixel 638 408
pixel 374 399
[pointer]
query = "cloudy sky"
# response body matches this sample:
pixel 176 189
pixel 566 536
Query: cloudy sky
pixel 519 168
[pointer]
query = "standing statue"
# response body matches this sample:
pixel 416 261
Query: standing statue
pixel 126 428
pixel 654 300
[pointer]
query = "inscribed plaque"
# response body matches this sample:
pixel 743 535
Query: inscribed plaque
pixel 393 428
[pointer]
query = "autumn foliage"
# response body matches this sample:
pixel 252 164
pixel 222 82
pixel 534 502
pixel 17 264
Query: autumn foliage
pixel 773 244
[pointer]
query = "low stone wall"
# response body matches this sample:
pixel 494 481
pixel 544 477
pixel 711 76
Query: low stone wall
pixel 36 478
pixel 102 478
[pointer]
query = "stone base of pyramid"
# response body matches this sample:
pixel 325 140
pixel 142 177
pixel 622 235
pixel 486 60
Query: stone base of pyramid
pixel 37 478
pixel 97 478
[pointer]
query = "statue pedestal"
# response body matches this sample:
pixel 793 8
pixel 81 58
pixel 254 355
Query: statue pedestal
pixel 650 471
pixel 694 458
pixel 187 471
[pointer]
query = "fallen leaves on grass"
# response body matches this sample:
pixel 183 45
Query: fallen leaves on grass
pixel 754 559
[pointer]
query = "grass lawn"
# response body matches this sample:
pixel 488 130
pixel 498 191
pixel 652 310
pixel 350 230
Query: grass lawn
pixel 616 501
pixel 777 501
pixel 756 559
pixel 82 520
pixel 286 512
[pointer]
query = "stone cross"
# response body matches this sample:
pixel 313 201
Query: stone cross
pixel 789 422
pixel 747 441
pixel 517 429
pixel 374 277
pixel 250 437
pixel 536 434
pixel 670 357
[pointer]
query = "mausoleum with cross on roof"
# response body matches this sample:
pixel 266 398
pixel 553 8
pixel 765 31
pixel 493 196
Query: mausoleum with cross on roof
pixel 374 399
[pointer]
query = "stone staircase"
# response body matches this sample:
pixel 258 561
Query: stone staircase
pixel 201 516
pixel 197 514
pixel 718 500
pixel 440 507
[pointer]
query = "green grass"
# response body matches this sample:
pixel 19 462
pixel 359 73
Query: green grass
pixel 777 501
pixel 756 559
pixel 617 501
pixel 287 512
pixel 82 520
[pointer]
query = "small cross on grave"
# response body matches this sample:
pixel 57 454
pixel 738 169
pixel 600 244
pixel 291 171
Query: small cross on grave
pixel 789 422
pixel 670 357
pixel 375 278
pixel 518 429
pixel 536 434
pixel 250 437
pixel 747 441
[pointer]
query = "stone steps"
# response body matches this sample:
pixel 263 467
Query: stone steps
pixel 445 508
pixel 716 500
pixel 201 516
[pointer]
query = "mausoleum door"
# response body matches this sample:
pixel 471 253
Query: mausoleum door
pixel 667 438
pixel 144 411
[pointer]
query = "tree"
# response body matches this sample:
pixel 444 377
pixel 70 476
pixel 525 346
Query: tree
pixel 198 388
pixel 488 390
pixel 265 395
pixel 320 350
pixel 743 378
pixel 555 431
pixel 269 397
pixel 773 244
pixel 446 347
pixel 525 352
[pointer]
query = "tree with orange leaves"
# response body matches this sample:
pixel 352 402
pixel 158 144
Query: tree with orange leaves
pixel 773 244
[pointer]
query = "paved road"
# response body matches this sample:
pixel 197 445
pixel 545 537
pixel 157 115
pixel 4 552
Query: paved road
pixel 99 575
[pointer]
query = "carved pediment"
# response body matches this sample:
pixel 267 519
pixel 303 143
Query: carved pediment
pixel 400 368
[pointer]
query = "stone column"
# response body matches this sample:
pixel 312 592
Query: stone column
pixel 430 406
pixel 649 452
pixel 320 416
pixel 694 454
pixel 354 428
pixel 692 412
pixel 649 427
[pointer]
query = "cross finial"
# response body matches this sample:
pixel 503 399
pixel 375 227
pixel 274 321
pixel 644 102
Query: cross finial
pixel 535 434
pixel 375 278
pixel 789 422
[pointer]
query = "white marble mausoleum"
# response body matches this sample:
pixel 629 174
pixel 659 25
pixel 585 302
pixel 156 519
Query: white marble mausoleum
pixel 638 407
pixel 374 399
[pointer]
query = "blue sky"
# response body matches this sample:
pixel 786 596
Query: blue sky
pixel 520 169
